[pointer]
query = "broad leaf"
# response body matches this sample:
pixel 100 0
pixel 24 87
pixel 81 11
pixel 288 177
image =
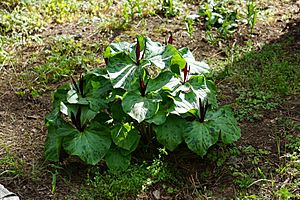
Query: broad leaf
pixel 116 161
pixel 186 97
pixel 140 108
pixel 86 116
pixel 159 82
pixel 90 146
pixel 159 118
pixel 185 102
pixel 204 89
pixel 174 60
pixel 200 136
pixel 195 67
pixel 122 67
pixel 57 129
pixel 117 111
pixel 170 133
pixel 121 70
pixel 125 137
pixel 53 144
pixel 95 91
pixel 115 48
pixel 52 117
pixel 224 121
pixel 173 84
pixel 60 95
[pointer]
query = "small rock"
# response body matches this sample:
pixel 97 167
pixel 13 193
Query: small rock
pixel 156 194
pixel 7 195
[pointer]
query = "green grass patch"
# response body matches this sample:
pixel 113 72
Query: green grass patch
pixel 260 78
pixel 135 180
pixel 10 164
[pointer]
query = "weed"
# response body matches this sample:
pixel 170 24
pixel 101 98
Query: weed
pixel 243 180
pixel 133 181
pixel 65 56
pixel 224 17
pixel 10 165
pixel 222 154
pixel 251 104
pixel 217 14
pixel 170 8
pixel 189 22
pixel 284 194
pixel 251 14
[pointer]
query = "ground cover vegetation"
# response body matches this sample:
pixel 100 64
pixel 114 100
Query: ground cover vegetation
pixel 125 75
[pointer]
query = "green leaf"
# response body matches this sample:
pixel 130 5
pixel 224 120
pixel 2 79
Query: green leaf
pixel 117 111
pixel 125 137
pixel 115 48
pixel 173 84
pixel 140 108
pixel 196 67
pixel 95 88
pixel 116 161
pixel 57 129
pixel 186 97
pixel 224 121
pixel 159 82
pixel 90 146
pixel 204 89
pixel 185 102
pixel 173 58
pixel 200 136
pixel 159 118
pixel 121 70
pixel 52 117
pixel 60 95
pixel 153 49
pixel 170 133
pixel 74 98
pixel 86 116
pixel 53 144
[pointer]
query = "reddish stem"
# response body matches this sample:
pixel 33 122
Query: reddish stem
pixel 170 40
pixel 186 71
pixel 137 51
pixel 142 87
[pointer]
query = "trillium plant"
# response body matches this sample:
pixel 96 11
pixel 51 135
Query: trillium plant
pixel 147 91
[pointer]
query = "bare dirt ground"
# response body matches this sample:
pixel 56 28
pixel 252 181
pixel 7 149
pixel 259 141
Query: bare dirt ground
pixel 22 130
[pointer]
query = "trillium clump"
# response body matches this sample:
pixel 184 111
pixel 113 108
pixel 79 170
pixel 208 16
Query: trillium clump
pixel 145 88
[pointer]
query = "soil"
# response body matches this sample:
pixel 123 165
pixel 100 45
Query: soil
pixel 22 129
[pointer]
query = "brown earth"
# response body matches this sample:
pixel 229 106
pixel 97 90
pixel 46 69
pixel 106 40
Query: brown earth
pixel 22 128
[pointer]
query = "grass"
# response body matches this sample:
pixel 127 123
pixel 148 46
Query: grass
pixel 10 164
pixel 56 57
pixel 130 183
pixel 260 78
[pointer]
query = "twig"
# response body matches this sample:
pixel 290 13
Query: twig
pixel 259 180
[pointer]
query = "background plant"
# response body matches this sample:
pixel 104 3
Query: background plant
pixel 219 15
pixel 225 17
pixel 170 8
pixel 252 12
